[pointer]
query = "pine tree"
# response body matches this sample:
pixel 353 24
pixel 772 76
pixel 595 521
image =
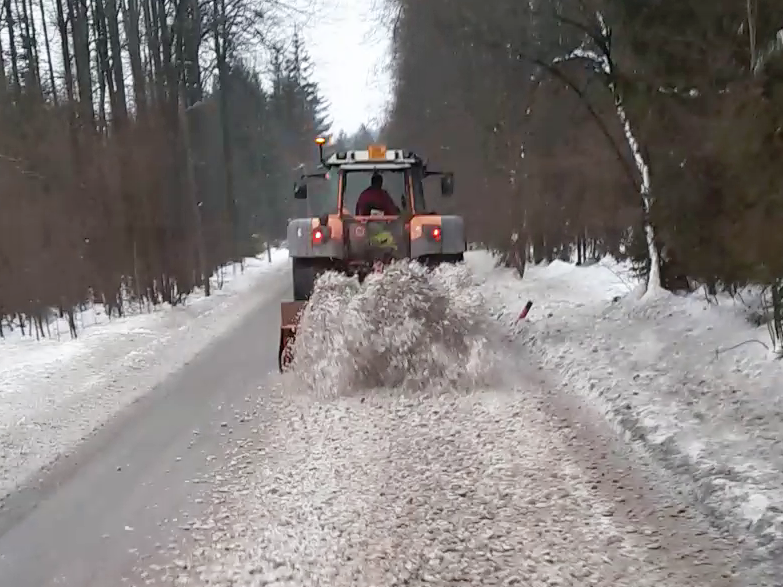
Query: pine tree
pixel 306 108
pixel 362 138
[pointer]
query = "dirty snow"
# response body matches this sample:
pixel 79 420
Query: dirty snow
pixel 362 481
pixel 53 393
pixel 668 374
pixel 473 488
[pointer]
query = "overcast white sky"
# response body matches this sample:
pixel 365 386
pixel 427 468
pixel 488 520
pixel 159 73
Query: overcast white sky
pixel 349 47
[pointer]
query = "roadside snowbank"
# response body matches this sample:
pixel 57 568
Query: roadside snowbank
pixel 55 393
pixel 712 419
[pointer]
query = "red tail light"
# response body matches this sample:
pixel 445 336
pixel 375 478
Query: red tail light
pixel 319 235
pixel 435 233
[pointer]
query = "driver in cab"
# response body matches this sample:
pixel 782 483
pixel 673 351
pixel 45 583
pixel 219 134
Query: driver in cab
pixel 376 198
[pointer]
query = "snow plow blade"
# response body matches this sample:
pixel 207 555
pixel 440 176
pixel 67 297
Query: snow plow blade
pixel 290 313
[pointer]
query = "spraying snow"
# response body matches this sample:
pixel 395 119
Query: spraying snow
pixel 407 328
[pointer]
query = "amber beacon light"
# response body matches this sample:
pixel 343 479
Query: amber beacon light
pixel 321 141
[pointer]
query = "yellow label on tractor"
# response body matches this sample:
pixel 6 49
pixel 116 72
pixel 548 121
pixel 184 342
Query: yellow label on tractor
pixel 384 240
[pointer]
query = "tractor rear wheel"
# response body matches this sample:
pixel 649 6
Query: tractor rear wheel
pixel 304 279
pixel 433 261
pixel 305 273
pixel 452 258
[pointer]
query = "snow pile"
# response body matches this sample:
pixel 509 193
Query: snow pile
pixel 54 393
pixel 667 372
pixel 408 328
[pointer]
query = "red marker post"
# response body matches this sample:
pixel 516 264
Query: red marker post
pixel 525 310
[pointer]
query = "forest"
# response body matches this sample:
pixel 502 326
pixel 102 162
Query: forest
pixel 140 150
pixel 648 130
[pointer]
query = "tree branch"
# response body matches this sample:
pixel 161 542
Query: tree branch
pixel 555 72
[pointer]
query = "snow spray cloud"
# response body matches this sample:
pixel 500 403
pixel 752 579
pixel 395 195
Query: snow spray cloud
pixel 407 328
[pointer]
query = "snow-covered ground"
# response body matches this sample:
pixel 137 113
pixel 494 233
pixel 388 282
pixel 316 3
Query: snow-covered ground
pixel 355 476
pixel 668 374
pixel 53 393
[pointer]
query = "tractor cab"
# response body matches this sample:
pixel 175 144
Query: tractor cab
pixel 335 188
pixel 371 233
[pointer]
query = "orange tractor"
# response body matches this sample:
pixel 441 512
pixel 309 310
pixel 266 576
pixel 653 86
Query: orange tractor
pixel 336 237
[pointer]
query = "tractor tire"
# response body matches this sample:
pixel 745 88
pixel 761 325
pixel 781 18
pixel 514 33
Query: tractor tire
pixel 304 279
pixel 452 258
pixel 305 273
pixel 433 261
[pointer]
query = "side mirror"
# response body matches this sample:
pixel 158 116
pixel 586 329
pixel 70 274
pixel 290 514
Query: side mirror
pixel 300 191
pixel 447 184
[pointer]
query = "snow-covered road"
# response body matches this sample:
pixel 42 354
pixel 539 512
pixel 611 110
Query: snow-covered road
pixel 351 484
pixel 479 488
pixel 112 499
pixel 477 469
pixel 54 393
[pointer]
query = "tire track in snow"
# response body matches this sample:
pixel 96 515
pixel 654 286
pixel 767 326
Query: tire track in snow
pixel 452 489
